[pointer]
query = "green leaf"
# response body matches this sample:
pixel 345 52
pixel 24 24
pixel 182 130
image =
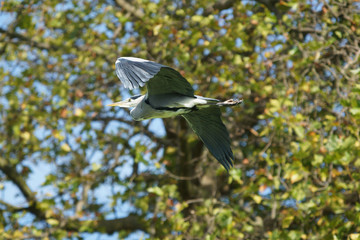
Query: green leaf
pixel 299 130
pixel 235 175
pixel 318 160
pixel 156 190
pixel 52 221
pixel 355 71
pixel 355 111
pixel 95 166
pixel 287 220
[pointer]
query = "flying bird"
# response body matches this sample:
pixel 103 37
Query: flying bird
pixel 170 94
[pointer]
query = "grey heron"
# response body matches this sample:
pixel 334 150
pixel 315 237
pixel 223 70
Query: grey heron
pixel 170 94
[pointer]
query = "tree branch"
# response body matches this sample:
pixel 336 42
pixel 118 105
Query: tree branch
pixel 271 5
pixel 129 223
pixel 130 8
pixel 45 46
pixel 15 177
pixel 83 201
pixel 42 46
pixel 218 6
pixel 18 180
pixel 10 207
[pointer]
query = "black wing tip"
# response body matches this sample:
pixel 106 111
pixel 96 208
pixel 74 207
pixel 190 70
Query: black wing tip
pixel 227 164
pixel 226 158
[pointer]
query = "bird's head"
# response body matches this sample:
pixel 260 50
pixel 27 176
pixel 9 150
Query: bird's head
pixel 129 102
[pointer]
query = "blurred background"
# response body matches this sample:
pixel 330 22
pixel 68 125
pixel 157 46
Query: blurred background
pixel 72 168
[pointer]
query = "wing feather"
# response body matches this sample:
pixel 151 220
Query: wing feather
pixel 207 124
pixel 160 79
pixel 134 72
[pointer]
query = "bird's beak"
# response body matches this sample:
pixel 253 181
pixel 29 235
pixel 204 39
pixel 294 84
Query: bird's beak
pixel 123 104
pixel 128 103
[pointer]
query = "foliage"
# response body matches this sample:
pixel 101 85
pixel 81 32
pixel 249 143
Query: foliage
pixel 296 138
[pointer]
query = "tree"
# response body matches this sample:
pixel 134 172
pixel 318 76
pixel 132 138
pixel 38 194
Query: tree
pixel 296 139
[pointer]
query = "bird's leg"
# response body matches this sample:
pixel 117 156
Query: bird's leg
pixel 230 102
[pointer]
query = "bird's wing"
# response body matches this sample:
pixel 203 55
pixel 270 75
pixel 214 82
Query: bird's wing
pixel 207 124
pixel 160 79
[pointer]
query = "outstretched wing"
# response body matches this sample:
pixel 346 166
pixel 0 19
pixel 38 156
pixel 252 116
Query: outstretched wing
pixel 160 79
pixel 207 124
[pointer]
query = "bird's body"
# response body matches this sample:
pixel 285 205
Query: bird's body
pixel 176 104
pixel 169 94
pixel 146 110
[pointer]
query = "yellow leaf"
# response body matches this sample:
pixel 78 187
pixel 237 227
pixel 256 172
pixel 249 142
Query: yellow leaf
pixel 287 221
pixel 48 194
pixel 52 221
pixel 25 136
pixel 170 150
pixel 156 190
pixel 295 176
pixel 79 112
pixel 238 60
pixel 196 18
pixel 65 147
pixel 56 134
pixel 180 12
pixel 354 236
pixel 17 234
pixel 305 87
pixel 157 165
pixel 156 29
pixel 304 236
pixel 257 198
pixel 95 166
pixel 267 54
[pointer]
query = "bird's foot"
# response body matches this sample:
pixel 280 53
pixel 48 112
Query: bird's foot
pixel 230 102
